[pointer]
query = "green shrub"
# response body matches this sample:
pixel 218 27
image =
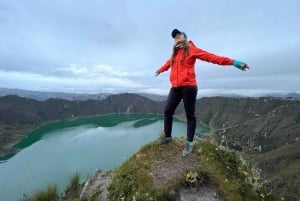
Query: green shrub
pixel 50 194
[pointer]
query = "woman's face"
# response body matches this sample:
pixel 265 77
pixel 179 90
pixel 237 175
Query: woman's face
pixel 179 38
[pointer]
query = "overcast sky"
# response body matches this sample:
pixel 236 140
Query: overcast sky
pixel 116 46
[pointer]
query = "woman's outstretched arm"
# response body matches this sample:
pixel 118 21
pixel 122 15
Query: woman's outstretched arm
pixel 164 68
pixel 212 58
pixel 221 60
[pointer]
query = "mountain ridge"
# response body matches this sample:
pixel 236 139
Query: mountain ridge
pixel 44 95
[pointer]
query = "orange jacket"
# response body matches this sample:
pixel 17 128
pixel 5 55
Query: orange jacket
pixel 183 72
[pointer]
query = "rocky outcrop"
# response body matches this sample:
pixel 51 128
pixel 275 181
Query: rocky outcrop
pixel 96 187
pixel 159 173
pixel 206 193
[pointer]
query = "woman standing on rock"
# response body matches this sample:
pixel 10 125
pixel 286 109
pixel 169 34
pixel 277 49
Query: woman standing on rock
pixel 184 85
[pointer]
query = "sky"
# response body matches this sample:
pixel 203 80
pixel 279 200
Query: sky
pixel 116 46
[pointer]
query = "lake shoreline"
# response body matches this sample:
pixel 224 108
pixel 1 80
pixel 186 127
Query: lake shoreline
pixel 22 132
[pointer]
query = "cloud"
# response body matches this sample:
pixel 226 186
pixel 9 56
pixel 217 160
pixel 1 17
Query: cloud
pixel 84 83
pixel 96 71
pixel 118 45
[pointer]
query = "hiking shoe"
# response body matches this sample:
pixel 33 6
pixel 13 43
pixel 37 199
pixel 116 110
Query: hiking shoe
pixel 164 140
pixel 187 150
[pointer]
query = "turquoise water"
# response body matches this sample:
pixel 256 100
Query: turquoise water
pixel 56 151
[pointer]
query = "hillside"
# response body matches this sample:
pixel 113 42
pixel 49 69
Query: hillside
pixel 266 122
pixel 265 130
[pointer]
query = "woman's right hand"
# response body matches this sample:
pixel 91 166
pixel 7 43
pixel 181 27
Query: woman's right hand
pixel 157 73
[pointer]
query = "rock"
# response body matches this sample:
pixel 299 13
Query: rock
pixel 96 186
pixel 204 193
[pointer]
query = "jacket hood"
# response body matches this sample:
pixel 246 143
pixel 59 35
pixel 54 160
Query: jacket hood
pixel 191 43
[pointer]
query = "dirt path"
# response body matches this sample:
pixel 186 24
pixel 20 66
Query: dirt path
pixel 172 165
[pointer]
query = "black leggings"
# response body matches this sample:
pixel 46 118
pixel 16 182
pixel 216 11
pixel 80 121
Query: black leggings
pixel 176 94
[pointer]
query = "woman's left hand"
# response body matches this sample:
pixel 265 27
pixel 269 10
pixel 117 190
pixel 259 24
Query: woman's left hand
pixel 241 65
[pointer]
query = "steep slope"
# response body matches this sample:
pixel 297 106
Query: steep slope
pixel 266 130
pixel 266 122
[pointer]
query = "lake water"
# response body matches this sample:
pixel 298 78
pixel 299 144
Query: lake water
pixel 54 152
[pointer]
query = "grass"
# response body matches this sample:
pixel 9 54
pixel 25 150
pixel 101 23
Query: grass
pixel 51 193
pixel 133 179
pixel 227 171
pixel 74 187
pixel 284 170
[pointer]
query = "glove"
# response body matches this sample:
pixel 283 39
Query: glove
pixel 240 65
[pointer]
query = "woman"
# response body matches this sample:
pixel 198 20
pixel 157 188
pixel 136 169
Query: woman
pixel 184 85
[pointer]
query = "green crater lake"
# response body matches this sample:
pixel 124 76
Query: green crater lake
pixel 54 152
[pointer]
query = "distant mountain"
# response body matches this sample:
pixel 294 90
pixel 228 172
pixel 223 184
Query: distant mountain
pixel 42 95
pixel 20 110
pixel 229 95
pixel 154 97
pixel 293 95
